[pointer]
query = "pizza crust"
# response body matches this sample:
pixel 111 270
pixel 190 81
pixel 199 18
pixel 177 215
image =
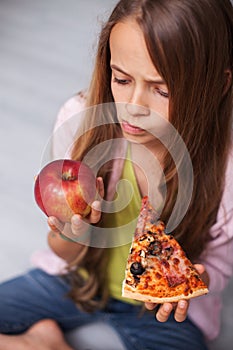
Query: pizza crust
pixel 127 293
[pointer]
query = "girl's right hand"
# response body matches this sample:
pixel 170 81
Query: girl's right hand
pixel 79 225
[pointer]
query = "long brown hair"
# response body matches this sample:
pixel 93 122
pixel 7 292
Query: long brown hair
pixel 190 43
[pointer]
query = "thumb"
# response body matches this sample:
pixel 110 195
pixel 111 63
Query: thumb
pixel 54 224
pixel 200 268
pixel 150 306
pixel 95 214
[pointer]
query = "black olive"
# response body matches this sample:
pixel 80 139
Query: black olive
pixel 155 248
pixel 136 268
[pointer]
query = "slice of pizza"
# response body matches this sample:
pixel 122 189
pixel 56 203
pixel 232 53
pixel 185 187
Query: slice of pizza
pixel 158 269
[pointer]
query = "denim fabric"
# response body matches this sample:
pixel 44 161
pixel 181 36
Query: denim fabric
pixel 37 295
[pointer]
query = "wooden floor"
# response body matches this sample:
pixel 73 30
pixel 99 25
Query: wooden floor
pixel 46 55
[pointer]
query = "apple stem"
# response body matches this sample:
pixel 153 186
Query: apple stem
pixel 68 177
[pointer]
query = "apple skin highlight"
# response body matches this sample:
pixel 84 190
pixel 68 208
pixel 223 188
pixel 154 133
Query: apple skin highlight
pixel 65 187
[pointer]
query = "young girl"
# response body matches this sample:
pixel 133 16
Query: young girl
pixel 161 64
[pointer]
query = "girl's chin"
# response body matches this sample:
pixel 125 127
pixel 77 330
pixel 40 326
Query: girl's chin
pixel 135 138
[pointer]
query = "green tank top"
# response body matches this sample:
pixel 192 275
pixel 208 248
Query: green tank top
pixel 124 223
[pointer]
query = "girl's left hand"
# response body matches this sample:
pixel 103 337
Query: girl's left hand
pixel 78 225
pixel 180 308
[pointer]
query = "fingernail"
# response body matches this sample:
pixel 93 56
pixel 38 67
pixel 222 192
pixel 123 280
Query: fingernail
pixel 166 308
pixel 96 205
pixel 182 304
pixel 51 221
pixel 76 220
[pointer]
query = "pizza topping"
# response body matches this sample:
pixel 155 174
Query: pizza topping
pixel 176 261
pixel 136 268
pixel 148 238
pixel 151 237
pixel 165 263
pixel 174 281
pixel 167 252
pixel 143 253
pixel 155 248
pixel 158 275
pixel 142 238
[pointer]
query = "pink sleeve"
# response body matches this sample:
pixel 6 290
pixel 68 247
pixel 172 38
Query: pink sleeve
pixel 67 122
pixel 218 261
pixel 218 257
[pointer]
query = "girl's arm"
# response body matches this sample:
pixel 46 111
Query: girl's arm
pixel 65 249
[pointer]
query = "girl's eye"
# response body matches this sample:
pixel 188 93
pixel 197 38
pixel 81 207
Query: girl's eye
pixel 120 81
pixel 162 93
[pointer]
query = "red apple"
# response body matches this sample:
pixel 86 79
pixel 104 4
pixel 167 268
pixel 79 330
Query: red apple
pixel 65 187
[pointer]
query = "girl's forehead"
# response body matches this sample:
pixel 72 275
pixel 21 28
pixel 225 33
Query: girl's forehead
pixel 129 50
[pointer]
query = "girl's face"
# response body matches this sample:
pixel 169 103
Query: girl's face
pixel 135 83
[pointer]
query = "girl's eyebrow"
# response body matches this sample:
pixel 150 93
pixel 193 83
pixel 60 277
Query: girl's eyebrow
pixel 153 81
pixel 113 66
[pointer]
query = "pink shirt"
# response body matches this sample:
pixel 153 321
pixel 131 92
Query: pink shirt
pixel 218 256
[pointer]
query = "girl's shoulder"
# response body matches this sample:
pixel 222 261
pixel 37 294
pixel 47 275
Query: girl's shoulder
pixel 71 107
pixel 67 122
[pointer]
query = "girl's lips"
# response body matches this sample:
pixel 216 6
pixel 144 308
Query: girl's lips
pixel 131 129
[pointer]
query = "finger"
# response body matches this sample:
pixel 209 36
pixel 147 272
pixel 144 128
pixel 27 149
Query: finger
pixel 100 186
pixel 164 312
pixel 150 306
pixel 181 310
pixel 54 224
pixel 200 268
pixel 204 274
pixel 78 225
pixel 95 214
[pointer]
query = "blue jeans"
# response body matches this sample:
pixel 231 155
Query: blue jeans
pixel 36 295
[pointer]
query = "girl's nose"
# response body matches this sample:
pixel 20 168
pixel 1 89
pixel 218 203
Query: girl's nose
pixel 137 105
pixel 137 110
